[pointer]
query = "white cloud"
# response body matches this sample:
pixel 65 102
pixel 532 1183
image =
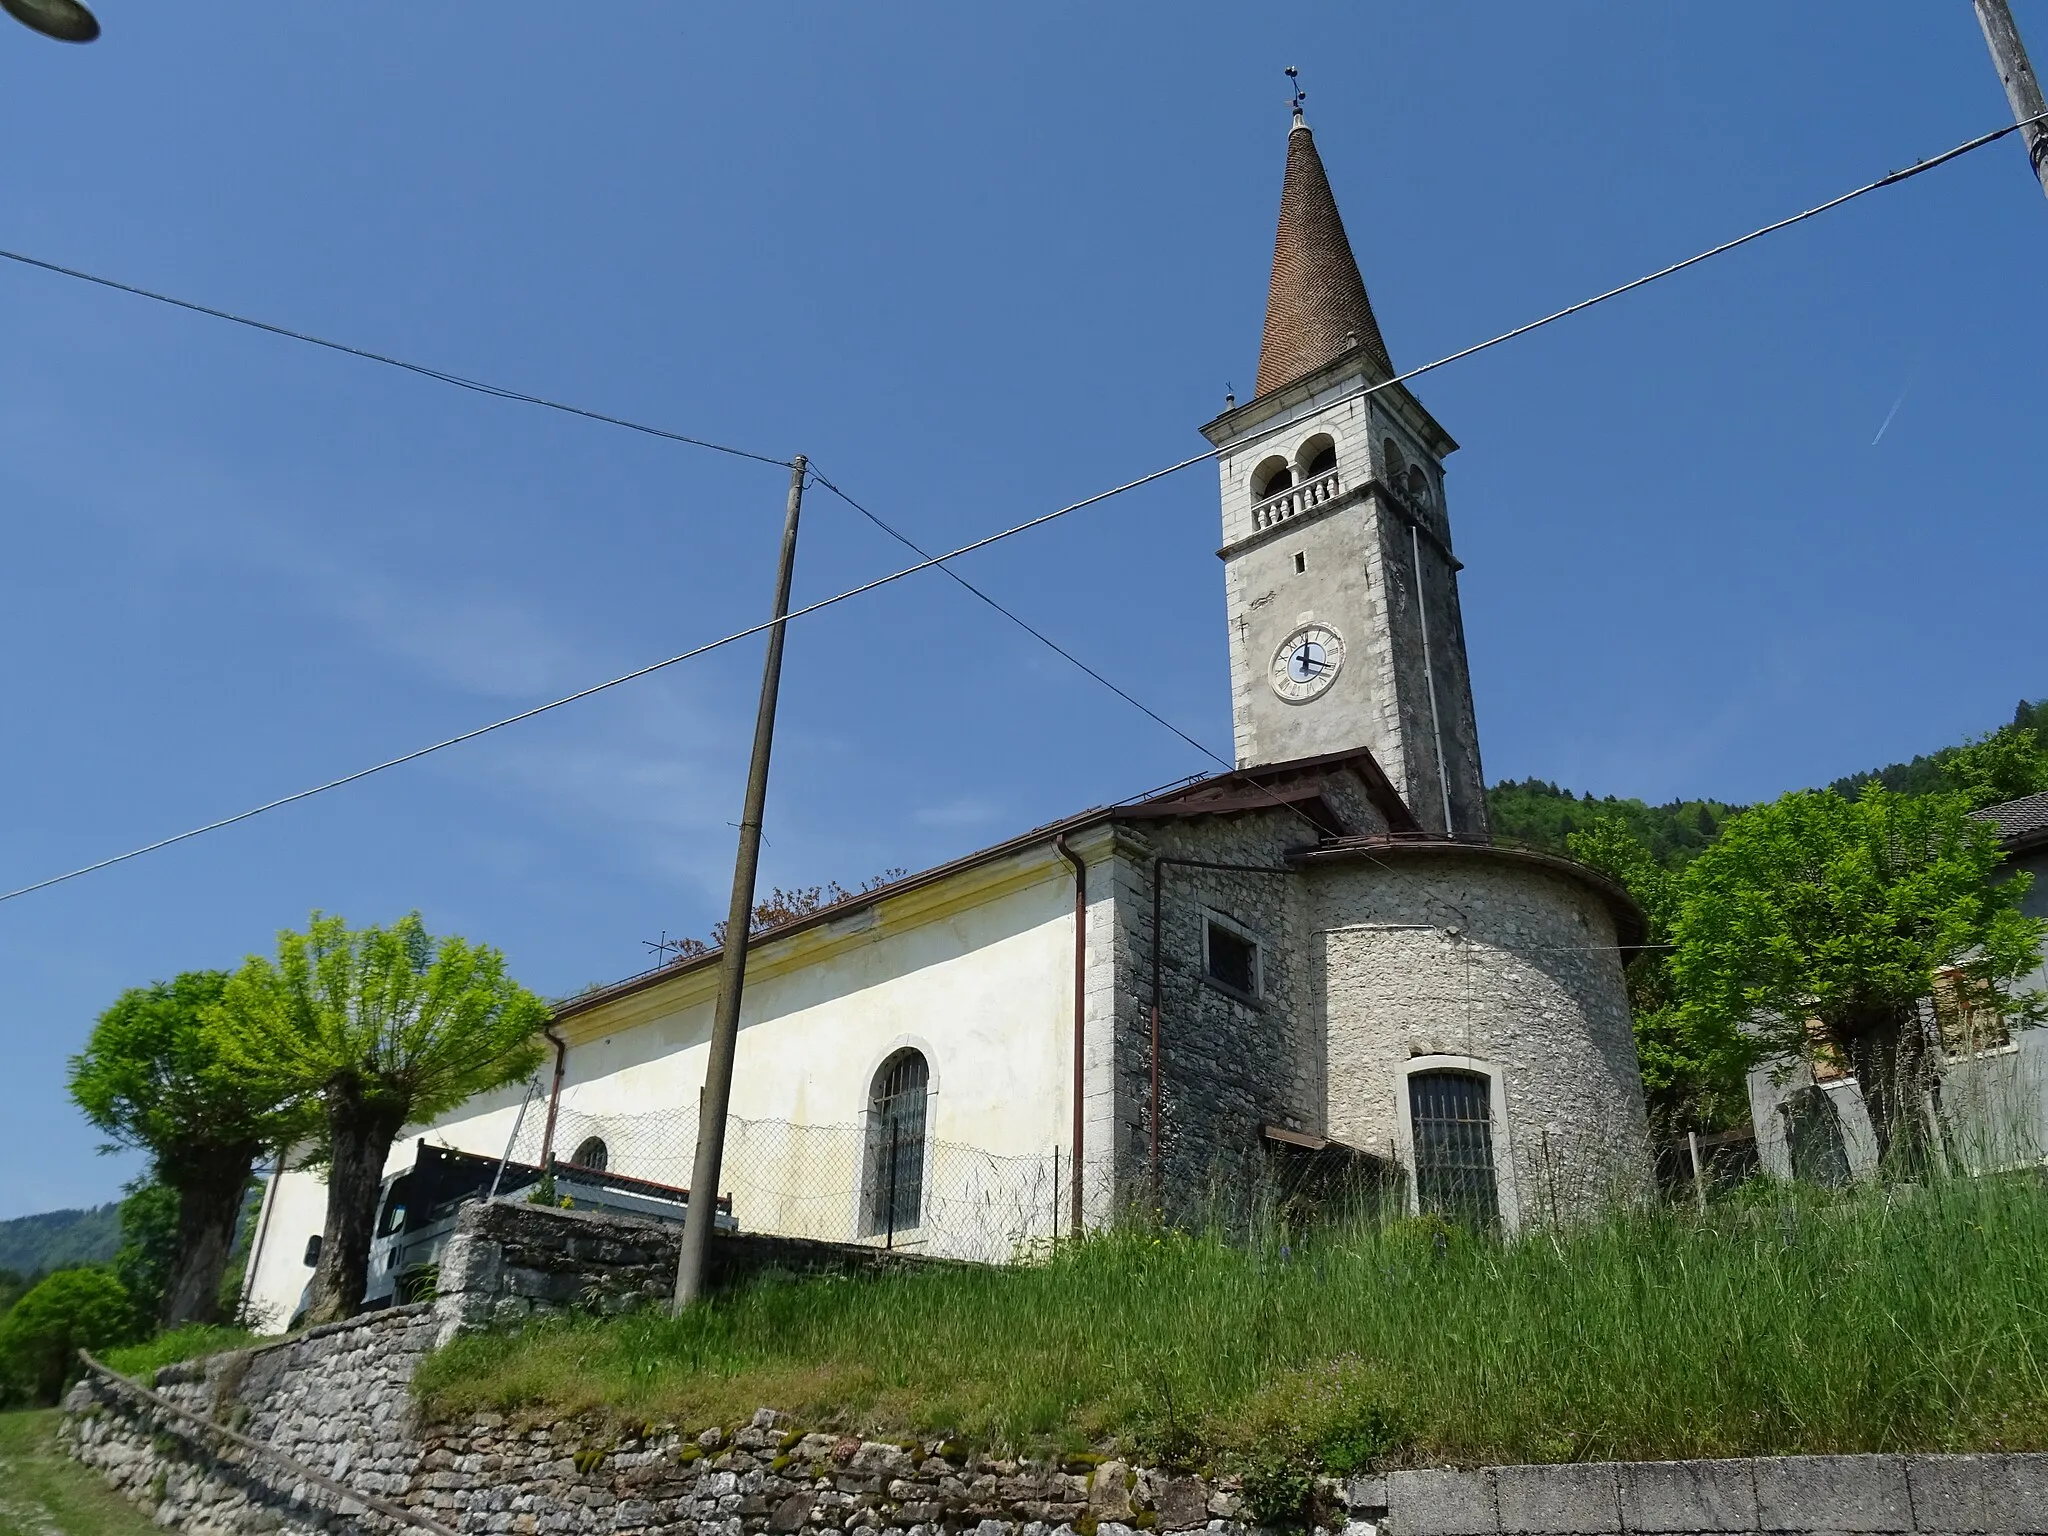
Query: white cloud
pixel 961 811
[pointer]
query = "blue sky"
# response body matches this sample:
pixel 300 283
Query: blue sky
pixel 976 264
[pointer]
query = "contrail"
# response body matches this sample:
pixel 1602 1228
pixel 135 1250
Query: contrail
pixel 1888 415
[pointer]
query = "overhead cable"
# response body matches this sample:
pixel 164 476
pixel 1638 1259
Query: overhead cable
pixel 1059 650
pixel 1893 179
pixel 479 386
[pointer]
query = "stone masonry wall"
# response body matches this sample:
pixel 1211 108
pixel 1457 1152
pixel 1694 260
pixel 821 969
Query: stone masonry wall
pixel 336 1399
pixel 509 1261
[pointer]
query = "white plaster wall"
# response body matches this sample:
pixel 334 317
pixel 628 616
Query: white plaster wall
pixel 983 988
pixel 278 1273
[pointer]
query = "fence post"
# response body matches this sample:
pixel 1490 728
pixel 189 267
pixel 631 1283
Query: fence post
pixel 1055 1192
pixel 895 1138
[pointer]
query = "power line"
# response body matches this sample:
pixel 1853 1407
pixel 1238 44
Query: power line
pixel 1893 179
pixel 501 392
pixel 1059 650
pixel 479 386
pixel 584 693
pixel 1037 634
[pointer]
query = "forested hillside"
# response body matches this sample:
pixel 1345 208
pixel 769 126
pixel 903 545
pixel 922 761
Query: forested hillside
pixel 32 1245
pixel 1541 813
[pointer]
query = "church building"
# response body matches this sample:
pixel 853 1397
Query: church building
pixel 1318 959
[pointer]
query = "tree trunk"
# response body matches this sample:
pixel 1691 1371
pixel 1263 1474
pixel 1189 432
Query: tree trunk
pixel 1887 1050
pixel 210 1191
pixel 360 1133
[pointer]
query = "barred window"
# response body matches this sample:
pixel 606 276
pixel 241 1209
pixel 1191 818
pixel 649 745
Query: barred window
pixel 1451 1114
pixel 592 1154
pixel 894 1198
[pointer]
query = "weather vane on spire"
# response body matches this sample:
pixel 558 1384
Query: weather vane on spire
pixel 1294 79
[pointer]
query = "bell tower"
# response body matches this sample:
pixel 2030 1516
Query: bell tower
pixel 1341 583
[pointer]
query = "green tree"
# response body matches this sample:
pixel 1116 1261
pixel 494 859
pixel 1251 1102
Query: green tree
pixel 147 1261
pixel 1691 1080
pixel 152 1077
pixel 2004 765
pixel 1817 912
pixel 41 1335
pixel 381 1027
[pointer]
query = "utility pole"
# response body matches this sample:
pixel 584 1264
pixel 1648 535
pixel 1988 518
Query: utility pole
pixel 2022 87
pixel 732 977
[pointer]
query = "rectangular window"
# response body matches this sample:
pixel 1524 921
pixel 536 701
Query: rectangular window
pixel 1451 1114
pixel 1230 958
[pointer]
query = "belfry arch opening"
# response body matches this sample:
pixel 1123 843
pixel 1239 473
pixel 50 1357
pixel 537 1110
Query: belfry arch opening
pixel 1317 456
pixel 1273 476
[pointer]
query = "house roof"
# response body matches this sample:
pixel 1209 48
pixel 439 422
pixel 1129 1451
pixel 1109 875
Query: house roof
pixel 1316 307
pixel 1297 785
pixel 2022 823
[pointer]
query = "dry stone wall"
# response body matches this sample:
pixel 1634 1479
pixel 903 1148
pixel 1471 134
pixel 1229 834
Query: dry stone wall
pixel 338 1400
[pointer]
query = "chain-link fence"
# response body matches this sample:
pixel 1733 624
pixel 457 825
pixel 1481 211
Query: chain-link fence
pixel 840 1183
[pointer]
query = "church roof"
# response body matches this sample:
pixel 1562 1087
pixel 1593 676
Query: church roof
pixel 1297 785
pixel 1316 308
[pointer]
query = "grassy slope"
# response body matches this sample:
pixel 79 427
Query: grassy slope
pixel 42 1490
pixel 1788 1323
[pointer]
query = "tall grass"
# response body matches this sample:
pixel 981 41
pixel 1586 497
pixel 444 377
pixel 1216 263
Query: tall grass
pixel 1784 1321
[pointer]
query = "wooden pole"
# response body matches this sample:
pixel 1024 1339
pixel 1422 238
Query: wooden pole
pixel 732 976
pixel 2022 87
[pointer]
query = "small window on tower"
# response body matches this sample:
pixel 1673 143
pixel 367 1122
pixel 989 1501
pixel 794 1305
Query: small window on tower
pixel 1230 958
pixel 1300 562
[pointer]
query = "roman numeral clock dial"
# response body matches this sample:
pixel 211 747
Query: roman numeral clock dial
pixel 1306 663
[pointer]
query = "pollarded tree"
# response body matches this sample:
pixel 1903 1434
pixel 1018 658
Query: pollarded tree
pixel 151 1077
pixel 1819 911
pixel 383 1027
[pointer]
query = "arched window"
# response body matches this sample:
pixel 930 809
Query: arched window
pixel 1397 462
pixel 894 1199
pixel 1417 486
pixel 591 1153
pixel 1273 476
pixel 1318 456
pixel 1451 1114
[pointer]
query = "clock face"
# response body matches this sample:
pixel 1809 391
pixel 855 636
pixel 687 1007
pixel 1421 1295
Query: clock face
pixel 1307 662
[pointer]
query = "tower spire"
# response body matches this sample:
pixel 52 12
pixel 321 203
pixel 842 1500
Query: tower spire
pixel 1316 308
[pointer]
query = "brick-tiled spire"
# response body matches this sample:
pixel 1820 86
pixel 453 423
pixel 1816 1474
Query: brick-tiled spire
pixel 1316 305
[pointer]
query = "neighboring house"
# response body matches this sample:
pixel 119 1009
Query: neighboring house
pixel 1312 966
pixel 1809 1116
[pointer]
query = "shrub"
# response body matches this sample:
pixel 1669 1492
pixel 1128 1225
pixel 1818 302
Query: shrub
pixel 41 1336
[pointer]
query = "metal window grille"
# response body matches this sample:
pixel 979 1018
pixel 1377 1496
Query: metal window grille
pixel 1452 1117
pixel 592 1154
pixel 895 1172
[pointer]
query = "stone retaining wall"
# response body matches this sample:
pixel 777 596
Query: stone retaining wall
pixel 509 1260
pixel 338 1399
